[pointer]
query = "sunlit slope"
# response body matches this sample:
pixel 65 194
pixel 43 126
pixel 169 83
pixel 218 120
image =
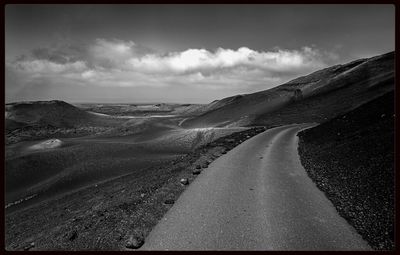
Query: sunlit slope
pixel 316 97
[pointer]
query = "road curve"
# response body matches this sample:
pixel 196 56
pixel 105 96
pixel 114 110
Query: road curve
pixel 256 197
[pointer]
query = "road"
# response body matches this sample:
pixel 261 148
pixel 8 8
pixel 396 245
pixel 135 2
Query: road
pixel 256 197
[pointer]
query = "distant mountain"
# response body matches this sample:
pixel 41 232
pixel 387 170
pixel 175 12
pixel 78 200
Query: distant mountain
pixel 54 113
pixel 316 97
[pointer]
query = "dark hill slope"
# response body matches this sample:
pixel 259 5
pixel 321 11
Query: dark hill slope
pixel 48 119
pixel 49 113
pixel 12 124
pixel 351 159
pixel 313 98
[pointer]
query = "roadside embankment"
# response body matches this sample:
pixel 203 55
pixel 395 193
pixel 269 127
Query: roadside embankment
pixel 351 159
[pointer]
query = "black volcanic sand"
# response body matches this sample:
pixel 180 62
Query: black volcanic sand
pixel 317 97
pixel 47 173
pixel 325 106
pixel 351 159
pixel 47 119
pixel 105 216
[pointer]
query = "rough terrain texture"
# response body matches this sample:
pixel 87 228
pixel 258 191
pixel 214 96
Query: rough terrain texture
pixel 351 159
pixel 113 215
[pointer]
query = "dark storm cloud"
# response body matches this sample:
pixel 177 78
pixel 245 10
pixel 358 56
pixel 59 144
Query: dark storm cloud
pixel 54 56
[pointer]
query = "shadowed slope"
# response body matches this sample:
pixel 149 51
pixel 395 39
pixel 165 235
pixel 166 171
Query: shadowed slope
pixel 351 159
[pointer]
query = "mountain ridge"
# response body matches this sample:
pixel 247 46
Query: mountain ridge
pixel 249 109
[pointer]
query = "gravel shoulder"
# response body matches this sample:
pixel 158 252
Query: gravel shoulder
pixel 351 159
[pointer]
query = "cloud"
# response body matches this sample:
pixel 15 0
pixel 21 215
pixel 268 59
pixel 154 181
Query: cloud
pixel 117 63
pixel 110 54
pixel 44 67
pixel 202 60
pixel 114 53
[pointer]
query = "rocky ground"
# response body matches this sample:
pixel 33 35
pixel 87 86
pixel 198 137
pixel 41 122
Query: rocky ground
pixel 42 132
pixel 351 159
pixel 117 214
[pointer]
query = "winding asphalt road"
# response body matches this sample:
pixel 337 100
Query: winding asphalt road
pixel 256 197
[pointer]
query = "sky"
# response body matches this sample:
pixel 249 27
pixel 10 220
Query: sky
pixel 180 53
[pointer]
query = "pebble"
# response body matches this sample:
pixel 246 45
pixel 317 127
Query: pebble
pixel 134 242
pixel 73 235
pixel 184 181
pixel 169 202
pixel 196 172
pixel 29 246
pixel 204 165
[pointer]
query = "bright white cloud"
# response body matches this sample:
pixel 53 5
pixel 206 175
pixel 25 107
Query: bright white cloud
pixel 116 63
pixel 198 60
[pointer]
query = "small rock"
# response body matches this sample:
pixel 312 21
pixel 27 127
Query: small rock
pixel 196 171
pixel 73 235
pixel 134 242
pixel 383 115
pixel 198 167
pixel 29 246
pixel 184 181
pixel 169 202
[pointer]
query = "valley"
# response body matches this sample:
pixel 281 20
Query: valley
pixel 83 176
